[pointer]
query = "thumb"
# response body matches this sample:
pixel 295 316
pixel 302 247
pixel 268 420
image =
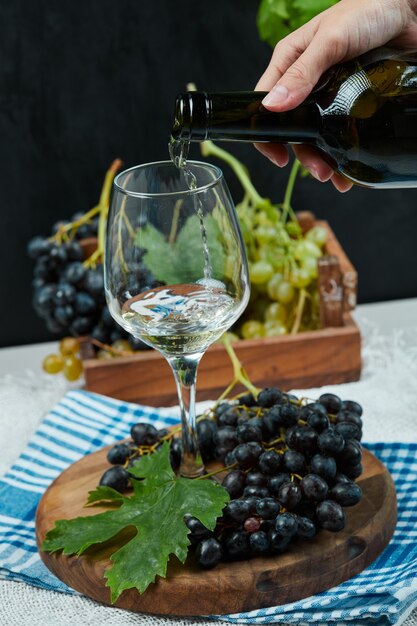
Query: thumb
pixel 300 78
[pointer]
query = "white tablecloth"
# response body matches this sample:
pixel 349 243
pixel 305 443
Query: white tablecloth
pixel 387 390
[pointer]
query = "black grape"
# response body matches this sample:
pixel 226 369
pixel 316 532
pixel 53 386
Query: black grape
pixel 346 494
pixel 116 477
pixel 331 402
pixel 234 482
pixel 289 495
pixel 144 434
pixel 269 396
pixel 269 462
pixel 324 466
pixel 118 454
pixel 330 515
pixel 247 454
pixel 259 542
pixel 314 487
pixel 267 508
pixel 209 553
pixel 330 442
pixel 236 545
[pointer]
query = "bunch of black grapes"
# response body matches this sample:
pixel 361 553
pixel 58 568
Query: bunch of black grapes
pixel 69 296
pixel 291 469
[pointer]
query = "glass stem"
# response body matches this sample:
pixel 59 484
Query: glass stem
pixel 185 373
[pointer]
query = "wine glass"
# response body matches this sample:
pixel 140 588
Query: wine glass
pixel 176 273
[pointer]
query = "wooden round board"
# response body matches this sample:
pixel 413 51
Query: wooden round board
pixel 308 567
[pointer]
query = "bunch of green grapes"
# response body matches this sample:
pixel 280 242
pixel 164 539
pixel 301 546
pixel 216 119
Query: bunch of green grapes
pixel 283 274
pixel 282 259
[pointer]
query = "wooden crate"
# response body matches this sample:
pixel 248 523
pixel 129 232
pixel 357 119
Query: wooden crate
pixel 330 355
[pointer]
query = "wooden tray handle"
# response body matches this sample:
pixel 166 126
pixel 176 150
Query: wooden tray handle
pixel 349 276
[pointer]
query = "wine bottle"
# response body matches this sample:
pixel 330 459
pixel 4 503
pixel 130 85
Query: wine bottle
pixel 362 116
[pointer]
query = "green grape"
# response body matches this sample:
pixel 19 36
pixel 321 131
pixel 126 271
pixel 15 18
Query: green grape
pixel 53 363
pixel 69 345
pixel 260 218
pixel 104 355
pixel 261 272
pixel 309 263
pixel 265 234
pixel 276 312
pixel 252 329
pixel 274 329
pixel 317 235
pixel 285 292
pixel 263 253
pixel 122 345
pixel 293 229
pixel 73 368
pixel 280 290
pixel 274 255
pixel 300 277
pixel 306 248
pixel 273 285
pixel 277 259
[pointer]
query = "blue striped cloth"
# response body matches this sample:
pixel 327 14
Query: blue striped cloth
pixel 83 422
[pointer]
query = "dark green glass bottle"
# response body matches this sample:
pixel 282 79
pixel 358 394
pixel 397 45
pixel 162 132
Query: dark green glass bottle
pixel 362 116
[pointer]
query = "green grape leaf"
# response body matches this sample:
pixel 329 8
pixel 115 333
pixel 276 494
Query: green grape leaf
pixel 154 515
pixel 278 18
pixel 273 20
pixel 162 257
pixel 104 494
pixel 159 257
pixel 307 9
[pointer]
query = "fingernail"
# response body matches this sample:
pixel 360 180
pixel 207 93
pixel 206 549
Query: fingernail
pixel 323 178
pixel 277 95
pixel 314 172
pixel 275 162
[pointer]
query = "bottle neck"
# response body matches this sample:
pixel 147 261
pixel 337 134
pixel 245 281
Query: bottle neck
pixel 240 116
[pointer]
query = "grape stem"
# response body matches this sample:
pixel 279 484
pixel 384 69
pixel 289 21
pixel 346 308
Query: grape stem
pixel 175 219
pixel 103 210
pixel 239 374
pixel 286 205
pixel 119 249
pixel 208 148
pixel 62 234
pixel 299 313
pixel 219 470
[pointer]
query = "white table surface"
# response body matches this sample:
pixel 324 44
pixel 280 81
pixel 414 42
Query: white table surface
pixel 389 322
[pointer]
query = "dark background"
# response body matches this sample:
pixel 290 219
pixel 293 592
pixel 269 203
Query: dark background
pixel 84 82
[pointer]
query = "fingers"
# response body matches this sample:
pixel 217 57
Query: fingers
pixel 286 52
pixel 341 184
pixel 275 152
pixel 310 158
pixel 297 82
pixel 313 161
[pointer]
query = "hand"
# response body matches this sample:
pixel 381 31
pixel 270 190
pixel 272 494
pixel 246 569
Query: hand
pixel 346 30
